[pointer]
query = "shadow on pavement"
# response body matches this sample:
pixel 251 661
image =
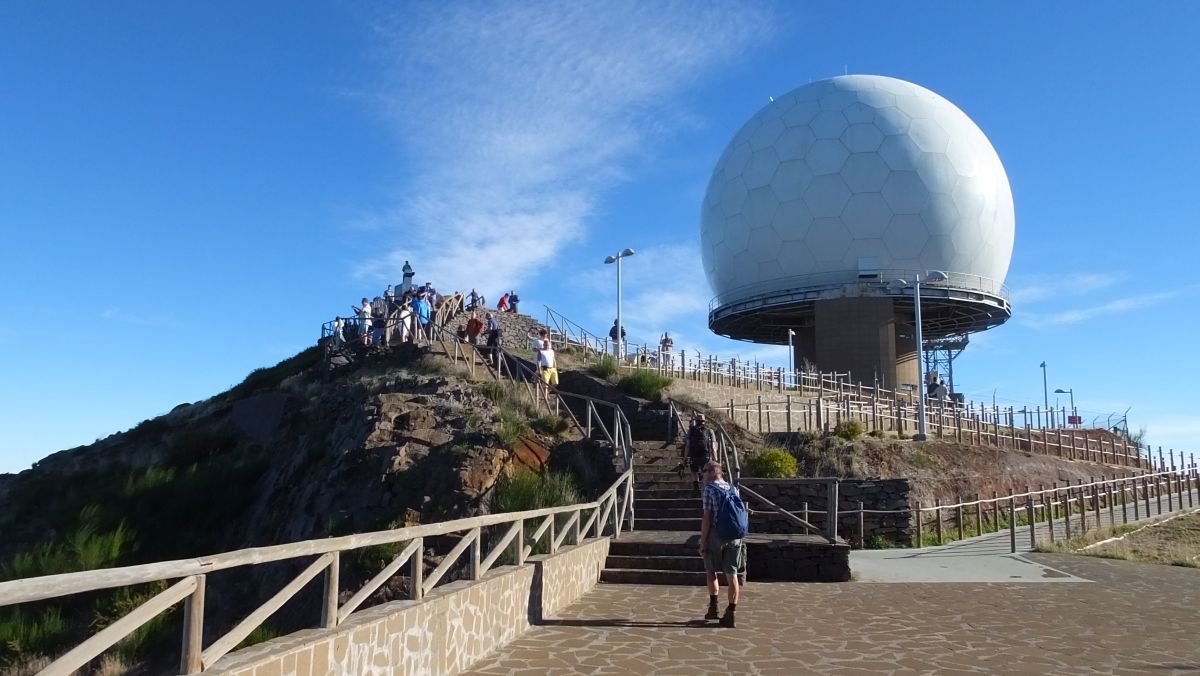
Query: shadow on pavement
pixel 620 622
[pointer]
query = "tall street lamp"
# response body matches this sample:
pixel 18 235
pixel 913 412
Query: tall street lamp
pixel 1045 395
pixel 1070 391
pixel 791 358
pixel 930 276
pixel 617 259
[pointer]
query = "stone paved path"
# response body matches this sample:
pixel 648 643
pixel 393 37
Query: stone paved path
pixel 1118 618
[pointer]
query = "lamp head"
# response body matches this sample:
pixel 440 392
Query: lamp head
pixel 1062 391
pixel 897 284
pixel 609 259
pixel 627 252
pixel 936 276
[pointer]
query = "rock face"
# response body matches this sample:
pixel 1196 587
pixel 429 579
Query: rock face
pixel 390 442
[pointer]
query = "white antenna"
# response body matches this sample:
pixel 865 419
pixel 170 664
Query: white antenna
pixel 772 99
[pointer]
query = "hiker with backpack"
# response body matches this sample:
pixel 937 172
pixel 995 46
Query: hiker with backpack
pixel 699 447
pixel 726 521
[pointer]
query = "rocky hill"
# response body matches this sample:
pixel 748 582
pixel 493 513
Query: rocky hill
pixel 292 453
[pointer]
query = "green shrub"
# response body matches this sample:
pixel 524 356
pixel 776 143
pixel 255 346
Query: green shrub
pixel 24 634
pixel 266 378
pixel 849 430
pixel 605 368
pixel 875 434
pixel 510 426
pixel 524 490
pixel 645 385
pixel 549 424
pixel 772 463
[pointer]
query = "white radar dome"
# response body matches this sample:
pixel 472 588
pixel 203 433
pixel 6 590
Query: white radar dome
pixel 853 176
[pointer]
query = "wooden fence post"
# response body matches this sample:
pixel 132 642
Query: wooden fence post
pixel 937 523
pixel 862 542
pixel 1012 524
pixel 920 534
pixel 193 630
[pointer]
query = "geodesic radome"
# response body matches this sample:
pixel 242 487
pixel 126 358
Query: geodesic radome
pixel 855 173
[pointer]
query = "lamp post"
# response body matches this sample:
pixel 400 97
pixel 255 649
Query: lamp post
pixel 625 253
pixel 1045 395
pixel 791 358
pixel 930 276
pixel 1070 391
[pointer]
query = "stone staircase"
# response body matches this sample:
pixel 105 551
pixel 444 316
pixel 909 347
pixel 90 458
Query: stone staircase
pixel 663 548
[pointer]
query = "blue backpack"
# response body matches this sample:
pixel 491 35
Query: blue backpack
pixel 733 521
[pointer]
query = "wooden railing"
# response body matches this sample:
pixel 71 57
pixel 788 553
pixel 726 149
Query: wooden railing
pixel 1046 505
pixel 813 400
pixel 610 514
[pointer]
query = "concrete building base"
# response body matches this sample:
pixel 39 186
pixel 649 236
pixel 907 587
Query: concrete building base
pixel 863 336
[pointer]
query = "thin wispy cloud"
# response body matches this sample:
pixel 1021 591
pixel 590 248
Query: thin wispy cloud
pixel 1117 306
pixel 1036 288
pixel 517 117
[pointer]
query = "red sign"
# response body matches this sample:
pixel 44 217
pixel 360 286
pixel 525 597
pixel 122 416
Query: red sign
pixel 1074 420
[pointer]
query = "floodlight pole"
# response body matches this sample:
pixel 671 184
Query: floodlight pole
pixel 934 276
pixel 791 358
pixel 1070 391
pixel 617 259
pixel 1045 395
pixel 920 435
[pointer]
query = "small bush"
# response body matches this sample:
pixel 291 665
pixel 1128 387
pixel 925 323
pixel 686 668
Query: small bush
pixel 772 463
pixel 549 424
pixel 849 430
pixel 605 368
pixel 524 490
pixel 25 635
pixel 510 427
pixel 266 378
pixel 876 434
pixel 645 385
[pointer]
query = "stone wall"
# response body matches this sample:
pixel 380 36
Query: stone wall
pixel 789 558
pixel 444 633
pixel 875 494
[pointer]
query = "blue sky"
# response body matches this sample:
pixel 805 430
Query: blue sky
pixel 187 190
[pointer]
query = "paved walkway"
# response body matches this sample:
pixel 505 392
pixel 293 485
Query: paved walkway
pixel 970 607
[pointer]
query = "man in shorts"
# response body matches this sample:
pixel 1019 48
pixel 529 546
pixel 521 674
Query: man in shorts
pixel 547 370
pixel 724 556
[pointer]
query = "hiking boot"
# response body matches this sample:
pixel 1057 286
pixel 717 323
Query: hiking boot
pixel 712 614
pixel 727 619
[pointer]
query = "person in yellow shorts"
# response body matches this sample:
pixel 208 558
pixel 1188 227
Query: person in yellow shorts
pixel 546 364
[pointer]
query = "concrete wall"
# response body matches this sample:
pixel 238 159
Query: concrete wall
pixel 445 633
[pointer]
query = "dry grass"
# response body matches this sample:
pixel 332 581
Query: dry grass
pixel 1174 542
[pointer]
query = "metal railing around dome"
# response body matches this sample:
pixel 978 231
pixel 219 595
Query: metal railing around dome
pixel 830 280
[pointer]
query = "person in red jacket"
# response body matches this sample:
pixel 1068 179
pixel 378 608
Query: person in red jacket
pixel 503 304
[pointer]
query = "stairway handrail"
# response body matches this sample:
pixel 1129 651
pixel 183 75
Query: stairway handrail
pixel 735 474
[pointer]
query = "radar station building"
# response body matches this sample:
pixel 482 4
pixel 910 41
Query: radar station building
pixel 832 203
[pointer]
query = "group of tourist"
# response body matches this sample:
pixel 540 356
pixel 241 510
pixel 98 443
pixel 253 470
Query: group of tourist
pixel 388 319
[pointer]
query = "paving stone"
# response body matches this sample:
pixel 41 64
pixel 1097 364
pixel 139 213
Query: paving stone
pixel 1116 618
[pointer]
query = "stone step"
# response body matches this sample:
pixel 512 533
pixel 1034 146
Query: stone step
pixel 691 563
pixel 641 576
pixel 692 524
pixel 663 494
pixel 689 512
pixel 667 503
pixel 683 547
pixel 683 485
